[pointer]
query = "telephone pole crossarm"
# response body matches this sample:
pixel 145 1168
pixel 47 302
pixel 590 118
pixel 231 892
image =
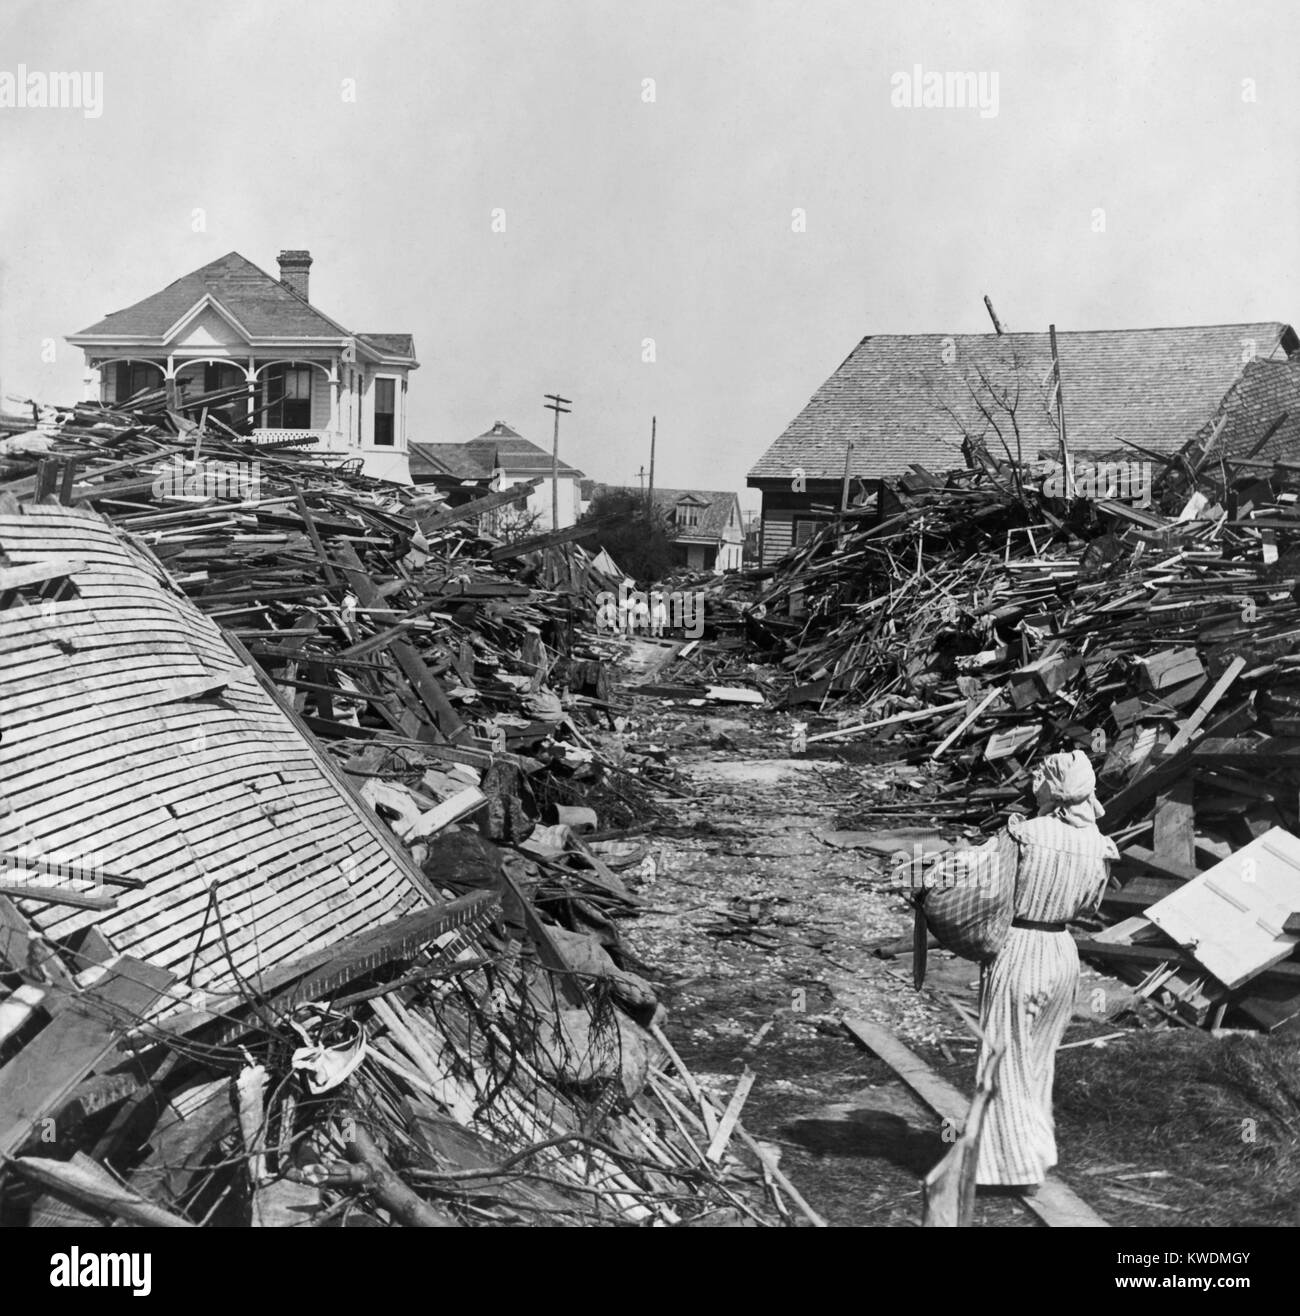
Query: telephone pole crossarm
pixel 554 402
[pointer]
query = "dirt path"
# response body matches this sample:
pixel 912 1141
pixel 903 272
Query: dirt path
pixel 759 921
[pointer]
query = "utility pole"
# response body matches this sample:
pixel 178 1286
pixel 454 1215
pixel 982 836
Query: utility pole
pixel 653 419
pixel 640 475
pixel 554 402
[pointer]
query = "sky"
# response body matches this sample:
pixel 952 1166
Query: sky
pixel 706 204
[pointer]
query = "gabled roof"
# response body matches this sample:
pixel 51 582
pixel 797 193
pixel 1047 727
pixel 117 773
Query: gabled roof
pixel 391 344
pixel 257 302
pixel 902 399
pixel 1268 391
pixel 449 459
pixel 715 507
pixel 516 455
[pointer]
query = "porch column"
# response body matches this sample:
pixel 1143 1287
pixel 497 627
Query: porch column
pixel 169 382
pixel 334 402
pixel 250 373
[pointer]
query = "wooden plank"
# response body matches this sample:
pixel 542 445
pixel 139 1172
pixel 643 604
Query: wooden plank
pixel 1159 864
pixel 443 715
pixel 1287 970
pixel 730 1117
pixel 468 511
pixel 56 895
pixel 1139 894
pixel 584 530
pixel 37 573
pixel 37 1081
pixel 434 820
pixel 1175 823
pixel 1261 751
pixel 919 714
pixel 1149 782
pixel 1054 1203
pixel 85 1180
pixel 964 723
pixel 1206 706
pixel 317 975
pixel 20 863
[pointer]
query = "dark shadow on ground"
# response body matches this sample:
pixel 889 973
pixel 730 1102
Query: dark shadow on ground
pixel 875 1134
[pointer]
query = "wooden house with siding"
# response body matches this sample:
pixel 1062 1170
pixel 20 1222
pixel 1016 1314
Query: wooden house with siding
pixel 934 400
pixel 229 327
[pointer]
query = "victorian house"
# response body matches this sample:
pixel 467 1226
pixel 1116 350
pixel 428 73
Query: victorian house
pixel 274 362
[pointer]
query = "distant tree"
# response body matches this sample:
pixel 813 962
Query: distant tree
pixel 639 535
pixel 510 525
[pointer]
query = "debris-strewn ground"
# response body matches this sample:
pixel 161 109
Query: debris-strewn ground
pixel 757 919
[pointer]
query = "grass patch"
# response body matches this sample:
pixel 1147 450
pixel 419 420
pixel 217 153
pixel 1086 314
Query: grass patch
pixel 1220 1117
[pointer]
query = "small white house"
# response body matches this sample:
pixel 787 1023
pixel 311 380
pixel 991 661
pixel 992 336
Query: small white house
pixel 505 457
pixel 269 355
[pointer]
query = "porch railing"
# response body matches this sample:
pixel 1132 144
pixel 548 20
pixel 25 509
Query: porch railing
pixel 316 440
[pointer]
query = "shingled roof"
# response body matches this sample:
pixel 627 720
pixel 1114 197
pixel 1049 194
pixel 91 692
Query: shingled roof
pixel 904 399
pixel 516 454
pixel 1267 392
pixel 448 459
pixel 263 306
pixel 715 507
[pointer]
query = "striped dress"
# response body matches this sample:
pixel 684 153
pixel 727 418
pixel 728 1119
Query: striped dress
pixel 1029 995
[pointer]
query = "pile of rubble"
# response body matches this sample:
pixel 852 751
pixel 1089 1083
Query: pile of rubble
pixel 989 623
pixel 306 916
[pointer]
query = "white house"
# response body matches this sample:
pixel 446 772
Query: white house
pixel 504 457
pixel 268 355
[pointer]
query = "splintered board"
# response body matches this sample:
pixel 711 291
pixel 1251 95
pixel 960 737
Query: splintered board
pixel 1231 917
pixel 138 741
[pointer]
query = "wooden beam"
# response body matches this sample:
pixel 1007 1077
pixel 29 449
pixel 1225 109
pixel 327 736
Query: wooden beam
pixel 37 573
pixel 583 530
pixel 730 1117
pixel 1160 865
pixel 467 511
pixel 444 716
pixel 1054 1204
pixel 1206 706
pixel 57 895
pixel 1288 970
pixel 37 1081
pixel 1175 823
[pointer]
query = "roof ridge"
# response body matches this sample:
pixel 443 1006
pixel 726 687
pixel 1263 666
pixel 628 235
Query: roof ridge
pixel 1043 333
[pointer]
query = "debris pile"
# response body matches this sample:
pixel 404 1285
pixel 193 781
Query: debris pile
pixel 303 918
pixel 988 624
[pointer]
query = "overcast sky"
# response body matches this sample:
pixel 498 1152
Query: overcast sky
pixel 672 218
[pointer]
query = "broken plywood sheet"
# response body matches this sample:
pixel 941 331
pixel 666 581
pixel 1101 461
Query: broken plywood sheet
pixel 1231 917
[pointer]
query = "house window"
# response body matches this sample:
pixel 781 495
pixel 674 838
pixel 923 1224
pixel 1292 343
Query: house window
pixel 687 515
pixel 805 528
pixel 385 412
pixel 132 377
pixel 288 390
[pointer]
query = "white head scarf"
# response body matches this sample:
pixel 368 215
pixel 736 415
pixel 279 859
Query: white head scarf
pixel 1065 788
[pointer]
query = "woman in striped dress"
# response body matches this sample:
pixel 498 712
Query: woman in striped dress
pixel 1029 993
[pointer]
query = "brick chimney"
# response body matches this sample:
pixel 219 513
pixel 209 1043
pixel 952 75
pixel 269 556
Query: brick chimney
pixel 295 269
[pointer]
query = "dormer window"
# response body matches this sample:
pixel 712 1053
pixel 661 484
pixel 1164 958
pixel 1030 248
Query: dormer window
pixel 687 515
